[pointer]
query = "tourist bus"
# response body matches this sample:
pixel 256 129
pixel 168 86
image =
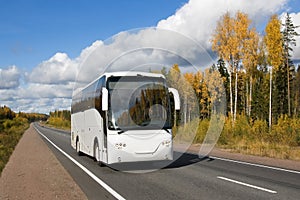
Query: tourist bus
pixel 124 117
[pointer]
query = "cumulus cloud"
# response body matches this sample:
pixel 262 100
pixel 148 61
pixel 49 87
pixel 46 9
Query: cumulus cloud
pixel 41 105
pixel 198 19
pixel 57 70
pixel 141 50
pixel 296 21
pixel 181 38
pixel 10 77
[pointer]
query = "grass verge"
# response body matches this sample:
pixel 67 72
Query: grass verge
pixel 10 133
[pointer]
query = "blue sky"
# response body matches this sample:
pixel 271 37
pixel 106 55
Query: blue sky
pixel 43 43
pixel 32 30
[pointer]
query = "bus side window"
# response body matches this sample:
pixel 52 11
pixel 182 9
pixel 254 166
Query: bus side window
pixel 98 95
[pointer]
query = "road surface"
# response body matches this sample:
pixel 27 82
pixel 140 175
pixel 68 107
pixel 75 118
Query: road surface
pixel 188 178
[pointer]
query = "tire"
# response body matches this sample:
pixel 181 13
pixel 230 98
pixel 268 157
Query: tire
pixel 96 152
pixel 78 148
pixel 96 155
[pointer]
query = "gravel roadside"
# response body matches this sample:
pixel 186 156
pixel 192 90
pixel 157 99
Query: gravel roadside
pixel 33 172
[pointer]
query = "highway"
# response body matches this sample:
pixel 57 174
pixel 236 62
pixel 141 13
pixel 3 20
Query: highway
pixel 188 178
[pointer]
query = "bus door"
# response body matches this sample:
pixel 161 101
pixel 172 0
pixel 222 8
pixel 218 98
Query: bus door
pixel 103 154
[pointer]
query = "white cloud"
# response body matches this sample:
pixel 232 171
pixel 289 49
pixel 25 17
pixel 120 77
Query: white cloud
pixel 141 50
pixel 58 69
pixel 296 21
pixel 198 19
pixel 41 105
pixel 10 77
pixel 50 84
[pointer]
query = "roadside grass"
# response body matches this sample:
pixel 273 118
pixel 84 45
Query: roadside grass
pixel 60 123
pixel 253 138
pixel 10 133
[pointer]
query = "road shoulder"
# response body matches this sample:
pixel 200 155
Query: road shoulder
pixel 33 172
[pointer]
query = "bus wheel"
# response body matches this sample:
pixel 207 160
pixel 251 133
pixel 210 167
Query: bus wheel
pixel 96 152
pixel 78 148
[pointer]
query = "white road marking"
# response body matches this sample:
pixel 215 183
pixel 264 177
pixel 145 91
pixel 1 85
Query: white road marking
pixel 246 184
pixel 93 176
pixel 256 165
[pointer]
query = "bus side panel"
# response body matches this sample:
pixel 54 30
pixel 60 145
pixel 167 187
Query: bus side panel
pixel 93 129
pixel 77 123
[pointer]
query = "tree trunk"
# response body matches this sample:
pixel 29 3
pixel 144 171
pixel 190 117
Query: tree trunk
pixel 288 83
pixel 270 101
pixel 247 99
pixel 250 96
pixel 230 91
pixel 235 96
pixel 185 109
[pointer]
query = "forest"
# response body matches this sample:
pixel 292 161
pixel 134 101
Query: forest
pixel 60 119
pixel 254 83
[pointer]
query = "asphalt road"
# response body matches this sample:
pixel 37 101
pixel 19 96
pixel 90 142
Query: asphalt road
pixel 188 178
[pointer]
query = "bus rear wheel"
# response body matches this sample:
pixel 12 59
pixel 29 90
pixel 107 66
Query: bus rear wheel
pixel 78 148
pixel 96 152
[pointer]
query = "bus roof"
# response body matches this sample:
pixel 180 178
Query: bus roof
pixel 120 74
pixel 132 73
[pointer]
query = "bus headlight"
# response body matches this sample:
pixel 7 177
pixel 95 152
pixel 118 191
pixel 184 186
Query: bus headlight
pixel 120 145
pixel 166 142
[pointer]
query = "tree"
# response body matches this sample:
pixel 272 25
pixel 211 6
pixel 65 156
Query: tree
pixel 297 93
pixel 187 98
pixel 229 41
pixel 224 43
pixel 215 86
pixel 225 77
pixel 250 62
pixel 274 47
pixel 289 40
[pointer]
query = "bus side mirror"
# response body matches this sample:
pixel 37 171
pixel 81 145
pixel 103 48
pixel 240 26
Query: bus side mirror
pixel 176 98
pixel 104 99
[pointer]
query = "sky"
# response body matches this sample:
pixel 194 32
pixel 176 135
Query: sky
pixel 49 46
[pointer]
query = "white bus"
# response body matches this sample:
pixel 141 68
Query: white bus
pixel 124 117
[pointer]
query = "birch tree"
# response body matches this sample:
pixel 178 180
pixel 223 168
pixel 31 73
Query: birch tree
pixel 229 41
pixel 250 62
pixel 274 47
pixel 225 44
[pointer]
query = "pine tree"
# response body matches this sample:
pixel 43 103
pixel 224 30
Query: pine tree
pixel 289 40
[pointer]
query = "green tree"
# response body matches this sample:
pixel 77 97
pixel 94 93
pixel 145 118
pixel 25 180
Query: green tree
pixel 289 40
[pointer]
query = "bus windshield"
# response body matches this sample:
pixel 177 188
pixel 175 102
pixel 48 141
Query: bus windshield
pixel 138 102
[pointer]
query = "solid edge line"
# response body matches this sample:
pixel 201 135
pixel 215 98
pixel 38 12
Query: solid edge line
pixel 248 185
pixel 256 165
pixel 99 181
